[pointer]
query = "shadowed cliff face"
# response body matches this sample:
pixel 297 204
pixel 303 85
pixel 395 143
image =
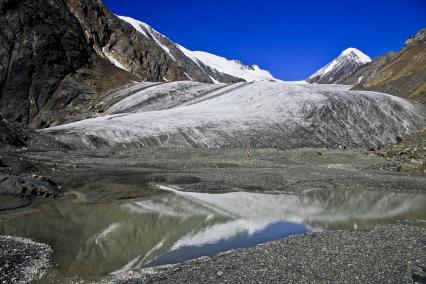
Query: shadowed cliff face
pixel 48 73
pixel 41 43
pixel 402 74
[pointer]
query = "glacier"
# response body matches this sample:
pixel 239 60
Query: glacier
pixel 251 114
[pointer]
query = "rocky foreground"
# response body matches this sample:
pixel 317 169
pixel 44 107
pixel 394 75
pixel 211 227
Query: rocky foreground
pixel 383 254
pixel 409 155
pixel 22 261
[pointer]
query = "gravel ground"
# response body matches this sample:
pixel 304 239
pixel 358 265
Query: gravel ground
pixel 22 260
pixel 383 254
pixel 128 174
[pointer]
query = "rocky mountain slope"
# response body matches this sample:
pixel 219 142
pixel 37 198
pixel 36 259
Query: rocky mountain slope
pixel 342 67
pixel 197 65
pixel 57 58
pixel 13 135
pixel 48 71
pixel 369 69
pixel 260 114
pixel 402 74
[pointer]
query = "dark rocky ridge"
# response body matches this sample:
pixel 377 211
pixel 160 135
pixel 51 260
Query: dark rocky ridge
pixel 46 66
pixel 193 71
pixel 401 74
pixel 104 31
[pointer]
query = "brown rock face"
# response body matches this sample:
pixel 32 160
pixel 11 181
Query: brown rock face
pixel 369 69
pixel 402 74
pixel 107 34
pixel 41 43
pixel 46 64
pixel 140 54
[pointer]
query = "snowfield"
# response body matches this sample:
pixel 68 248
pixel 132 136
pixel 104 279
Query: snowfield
pixel 257 114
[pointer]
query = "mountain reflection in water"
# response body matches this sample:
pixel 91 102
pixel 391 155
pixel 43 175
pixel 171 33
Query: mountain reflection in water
pixel 91 241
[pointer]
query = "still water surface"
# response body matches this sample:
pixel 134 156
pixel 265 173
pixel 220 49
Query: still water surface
pixel 94 240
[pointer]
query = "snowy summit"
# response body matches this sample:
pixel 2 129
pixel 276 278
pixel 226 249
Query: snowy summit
pixel 348 62
pixel 217 69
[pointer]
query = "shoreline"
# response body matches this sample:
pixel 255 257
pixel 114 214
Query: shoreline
pixel 113 177
pixel 384 253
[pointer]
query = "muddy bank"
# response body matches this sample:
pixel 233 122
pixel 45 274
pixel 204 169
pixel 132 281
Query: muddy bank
pixel 383 254
pixel 22 260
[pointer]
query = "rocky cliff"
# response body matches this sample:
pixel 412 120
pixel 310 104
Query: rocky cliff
pixel 48 72
pixel 118 41
pixel 402 74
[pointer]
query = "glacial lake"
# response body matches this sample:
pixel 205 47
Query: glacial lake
pixel 91 241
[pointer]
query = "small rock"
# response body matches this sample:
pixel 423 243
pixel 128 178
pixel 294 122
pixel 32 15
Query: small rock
pixel 413 165
pixel 2 165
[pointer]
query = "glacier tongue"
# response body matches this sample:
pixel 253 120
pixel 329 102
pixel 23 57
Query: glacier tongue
pixel 260 114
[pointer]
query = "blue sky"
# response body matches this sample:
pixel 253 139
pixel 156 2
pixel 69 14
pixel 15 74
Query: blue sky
pixel 291 39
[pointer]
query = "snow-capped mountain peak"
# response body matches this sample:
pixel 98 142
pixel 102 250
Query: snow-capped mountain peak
pixel 199 65
pixel 347 63
pixel 356 54
pixel 234 68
